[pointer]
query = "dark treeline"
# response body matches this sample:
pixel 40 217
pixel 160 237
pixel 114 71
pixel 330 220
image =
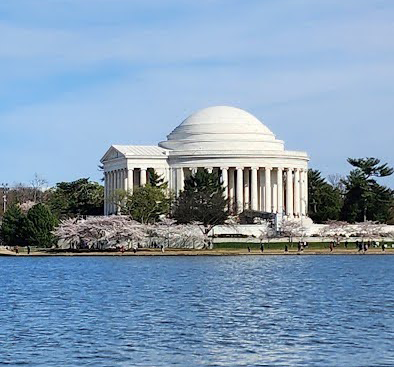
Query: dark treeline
pixel 33 211
pixel 355 198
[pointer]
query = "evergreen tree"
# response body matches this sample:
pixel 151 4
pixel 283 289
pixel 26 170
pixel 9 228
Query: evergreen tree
pixel 202 201
pixel 155 180
pixel 13 226
pixel 365 199
pixel 39 226
pixel 80 197
pixel 146 204
pixel 325 201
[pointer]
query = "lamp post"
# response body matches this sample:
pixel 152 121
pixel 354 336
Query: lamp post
pixel 5 189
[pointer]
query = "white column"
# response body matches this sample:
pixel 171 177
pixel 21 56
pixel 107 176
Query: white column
pixel 130 180
pixel 268 190
pixel 120 180
pixel 111 191
pixel 209 169
pixel 279 180
pixel 261 190
pixel 240 189
pixel 254 189
pixel 171 179
pixel 289 192
pixel 179 179
pixel 116 180
pixel 125 179
pixel 297 191
pixel 302 192
pixel 231 188
pixel 118 183
pixel 246 188
pixel 143 177
pixel 105 192
pixel 225 181
pixel 274 191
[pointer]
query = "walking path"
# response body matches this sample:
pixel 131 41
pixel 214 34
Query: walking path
pixel 214 252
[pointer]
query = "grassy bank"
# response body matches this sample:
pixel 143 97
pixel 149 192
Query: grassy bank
pixel 281 245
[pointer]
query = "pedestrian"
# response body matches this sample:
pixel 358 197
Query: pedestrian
pixel 262 247
pixel 122 250
pixel 331 246
pixel 16 249
pixel 365 246
pixel 383 246
pixel 299 246
pixel 360 246
pixel 346 243
pixel 162 248
pixel 134 248
pixel 28 249
pixel 286 247
pixel 248 248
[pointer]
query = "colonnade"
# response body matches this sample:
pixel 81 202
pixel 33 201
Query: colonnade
pixel 268 189
pixel 282 190
pixel 121 179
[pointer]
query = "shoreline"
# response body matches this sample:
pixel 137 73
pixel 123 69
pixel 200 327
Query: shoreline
pixel 213 252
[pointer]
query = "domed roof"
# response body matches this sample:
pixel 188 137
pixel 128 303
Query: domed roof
pixel 221 128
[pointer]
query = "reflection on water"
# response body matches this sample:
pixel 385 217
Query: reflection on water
pixel 197 311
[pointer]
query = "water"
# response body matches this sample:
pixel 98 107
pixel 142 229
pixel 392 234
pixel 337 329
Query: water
pixel 197 311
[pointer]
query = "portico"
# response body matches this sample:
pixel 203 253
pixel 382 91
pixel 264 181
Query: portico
pixel 253 166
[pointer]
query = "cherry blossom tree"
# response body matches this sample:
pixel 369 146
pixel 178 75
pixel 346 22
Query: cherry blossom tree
pixel 292 228
pixel 336 230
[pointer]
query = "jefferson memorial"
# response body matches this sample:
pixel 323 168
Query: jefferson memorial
pixel 254 167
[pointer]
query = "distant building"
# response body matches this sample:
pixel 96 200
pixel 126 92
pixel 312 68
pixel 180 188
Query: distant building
pixel 256 170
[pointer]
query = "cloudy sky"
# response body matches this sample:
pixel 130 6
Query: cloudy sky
pixel 79 75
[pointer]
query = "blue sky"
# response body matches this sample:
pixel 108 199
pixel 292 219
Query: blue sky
pixel 79 75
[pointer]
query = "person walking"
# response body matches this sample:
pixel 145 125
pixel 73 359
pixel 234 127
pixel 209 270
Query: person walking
pixel 331 246
pixel 28 249
pixel 346 243
pixel 286 247
pixel 262 247
pixel 383 246
pixel 16 249
pixel 248 248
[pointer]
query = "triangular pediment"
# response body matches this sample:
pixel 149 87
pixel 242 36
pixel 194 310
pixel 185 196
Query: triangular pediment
pixel 112 153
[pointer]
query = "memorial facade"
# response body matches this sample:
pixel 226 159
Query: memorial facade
pixel 254 167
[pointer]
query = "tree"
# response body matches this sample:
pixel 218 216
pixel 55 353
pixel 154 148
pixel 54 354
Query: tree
pixel 202 201
pixel 154 179
pixel 364 198
pixel 80 197
pixel 13 226
pixel 39 226
pixel 292 228
pixel 336 230
pixel 38 185
pixel 146 204
pixel 324 199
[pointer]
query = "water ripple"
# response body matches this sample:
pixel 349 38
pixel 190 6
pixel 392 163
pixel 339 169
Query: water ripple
pixel 206 311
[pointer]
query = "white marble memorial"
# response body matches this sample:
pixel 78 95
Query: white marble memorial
pixel 255 169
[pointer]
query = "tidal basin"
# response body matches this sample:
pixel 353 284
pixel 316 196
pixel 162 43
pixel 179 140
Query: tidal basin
pixel 197 311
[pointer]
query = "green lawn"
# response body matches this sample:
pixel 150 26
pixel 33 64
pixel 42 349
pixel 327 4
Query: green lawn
pixel 281 245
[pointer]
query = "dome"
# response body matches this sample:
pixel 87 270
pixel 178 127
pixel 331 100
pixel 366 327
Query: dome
pixel 222 128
